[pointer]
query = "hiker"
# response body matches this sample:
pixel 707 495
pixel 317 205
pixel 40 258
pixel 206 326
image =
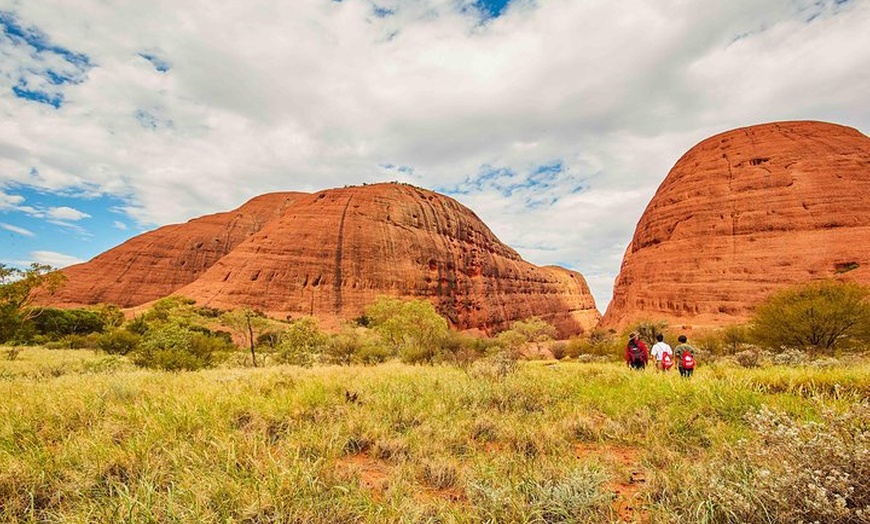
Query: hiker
pixel 636 354
pixel 663 353
pixel 685 357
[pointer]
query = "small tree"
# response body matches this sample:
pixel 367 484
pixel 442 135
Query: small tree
pixel 18 289
pixel 412 328
pixel 531 331
pixel 819 316
pixel 246 324
pixel 301 343
pixel 647 330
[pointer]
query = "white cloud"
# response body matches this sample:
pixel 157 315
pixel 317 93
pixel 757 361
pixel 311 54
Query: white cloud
pixel 65 213
pixel 8 202
pixel 16 229
pixel 119 225
pixel 53 259
pixel 263 96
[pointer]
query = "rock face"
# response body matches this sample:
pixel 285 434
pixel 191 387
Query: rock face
pixel 743 214
pixel 156 264
pixel 332 253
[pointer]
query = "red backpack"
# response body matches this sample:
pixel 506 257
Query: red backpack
pixel 667 361
pixel 687 361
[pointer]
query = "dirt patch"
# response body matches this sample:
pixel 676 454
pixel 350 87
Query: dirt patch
pixel 373 473
pixel 631 477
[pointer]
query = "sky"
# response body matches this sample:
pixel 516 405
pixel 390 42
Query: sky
pixel 554 120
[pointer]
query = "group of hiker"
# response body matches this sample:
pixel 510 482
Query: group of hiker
pixel 637 356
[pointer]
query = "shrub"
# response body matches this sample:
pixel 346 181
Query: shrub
pixel 647 331
pixel 118 342
pixel 58 323
pixel 139 325
pixel 819 316
pixel 174 347
pixel 301 343
pixel 528 334
pixel 800 472
pixel 412 328
pixel 734 338
pixel 354 344
pixel 599 342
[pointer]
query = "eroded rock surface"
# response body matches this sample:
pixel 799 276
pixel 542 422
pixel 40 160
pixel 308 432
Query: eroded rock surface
pixel 157 263
pixel 743 214
pixel 330 254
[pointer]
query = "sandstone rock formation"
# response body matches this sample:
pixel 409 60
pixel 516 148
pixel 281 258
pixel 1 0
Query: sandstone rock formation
pixel 743 214
pixel 156 264
pixel 331 253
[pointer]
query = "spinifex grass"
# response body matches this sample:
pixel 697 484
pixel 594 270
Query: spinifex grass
pixel 101 442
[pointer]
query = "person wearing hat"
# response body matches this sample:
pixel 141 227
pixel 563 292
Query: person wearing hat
pixel 636 354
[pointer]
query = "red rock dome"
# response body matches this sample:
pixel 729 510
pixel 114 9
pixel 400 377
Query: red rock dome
pixel 743 214
pixel 330 254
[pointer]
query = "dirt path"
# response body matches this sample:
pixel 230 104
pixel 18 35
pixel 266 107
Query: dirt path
pixel 627 503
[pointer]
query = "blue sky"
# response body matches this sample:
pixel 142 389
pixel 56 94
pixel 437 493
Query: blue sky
pixel 554 120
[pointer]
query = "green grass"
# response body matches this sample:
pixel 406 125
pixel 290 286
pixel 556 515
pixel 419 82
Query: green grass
pixel 89 438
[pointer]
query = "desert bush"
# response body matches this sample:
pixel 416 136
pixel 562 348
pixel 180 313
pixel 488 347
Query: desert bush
pixel 599 342
pixel 174 346
pixel 819 316
pixel 575 497
pixel 790 357
pixel 412 328
pixel 139 325
pixel 12 353
pixel 749 358
pixel 496 366
pixel 647 330
pixel 734 338
pixel 301 344
pixel 58 323
pixel 559 349
pixel 269 339
pixel 531 332
pixel 792 471
pixel 118 342
pixel 355 345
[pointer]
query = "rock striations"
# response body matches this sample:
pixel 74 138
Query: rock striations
pixel 329 254
pixel 743 214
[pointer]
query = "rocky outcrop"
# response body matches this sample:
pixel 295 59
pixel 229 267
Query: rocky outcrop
pixel 332 253
pixel 158 263
pixel 743 214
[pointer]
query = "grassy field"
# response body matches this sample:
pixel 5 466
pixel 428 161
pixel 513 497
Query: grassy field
pixel 89 438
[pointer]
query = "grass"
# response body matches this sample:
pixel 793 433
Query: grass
pixel 89 438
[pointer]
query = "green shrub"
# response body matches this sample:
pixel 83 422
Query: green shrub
pixel 599 342
pixel 174 347
pixel 411 328
pixel 529 334
pixel 118 342
pixel 58 323
pixel 355 345
pixel 819 316
pixel 647 330
pixel 139 325
pixel 301 343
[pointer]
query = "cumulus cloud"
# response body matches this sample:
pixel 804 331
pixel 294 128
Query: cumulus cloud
pixel 555 121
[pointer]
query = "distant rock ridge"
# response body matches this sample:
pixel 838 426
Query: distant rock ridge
pixel 743 214
pixel 330 254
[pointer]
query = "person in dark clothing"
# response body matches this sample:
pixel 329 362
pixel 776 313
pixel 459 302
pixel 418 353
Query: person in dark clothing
pixel 685 357
pixel 636 354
